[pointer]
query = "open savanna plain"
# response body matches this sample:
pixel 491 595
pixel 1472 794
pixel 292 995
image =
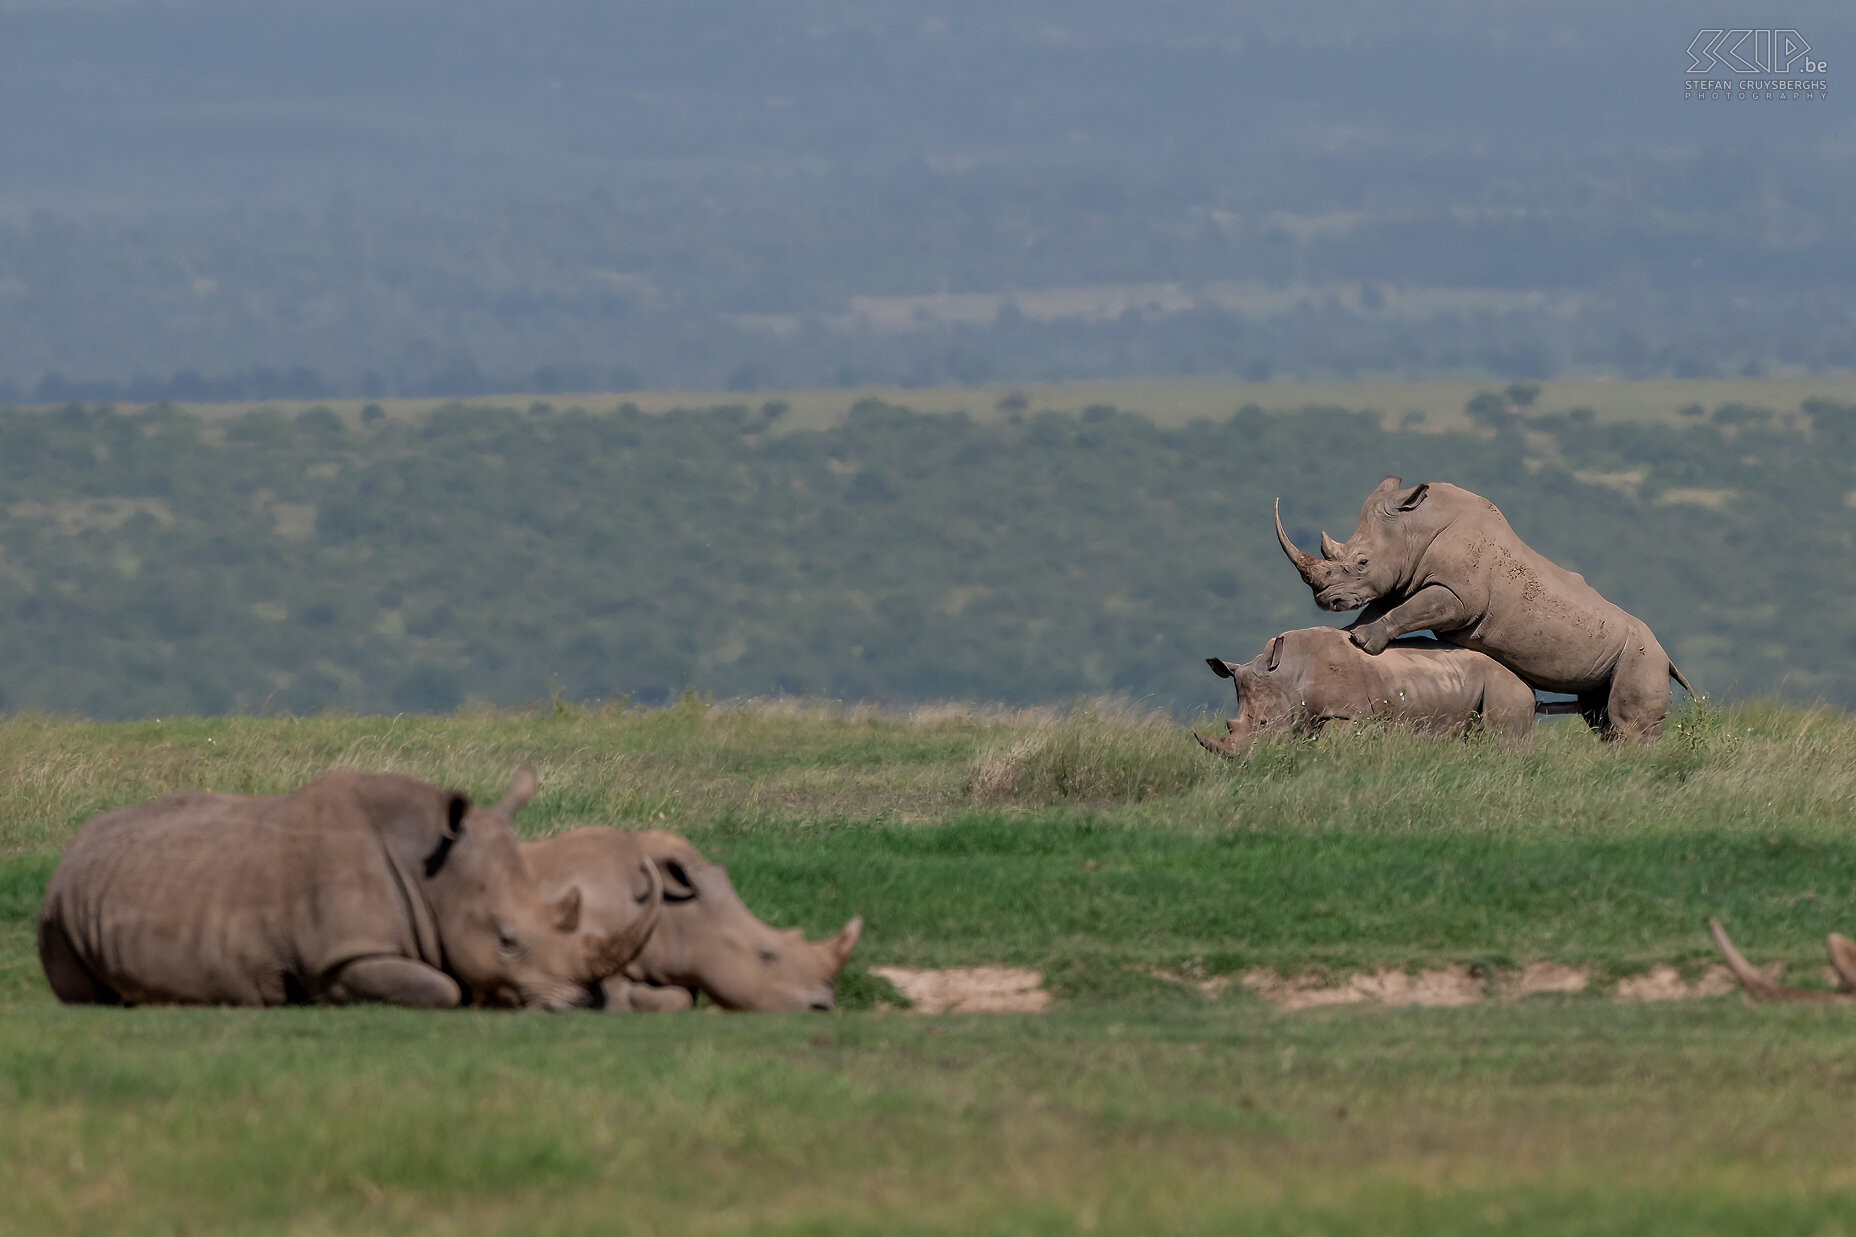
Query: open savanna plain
pixel 1099 845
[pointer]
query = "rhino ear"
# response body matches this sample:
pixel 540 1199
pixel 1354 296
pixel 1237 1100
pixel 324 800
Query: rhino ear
pixel 1385 487
pixel 455 812
pixel 1410 501
pixel 845 940
pixel 678 887
pixel 567 911
pixel 1219 666
pixel 522 788
pixel 1275 652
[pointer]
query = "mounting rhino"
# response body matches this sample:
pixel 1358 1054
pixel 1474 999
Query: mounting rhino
pixel 706 939
pixel 357 887
pixel 1842 963
pixel 1304 679
pixel 1438 558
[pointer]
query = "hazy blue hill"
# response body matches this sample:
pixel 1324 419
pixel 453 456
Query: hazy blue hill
pixel 237 200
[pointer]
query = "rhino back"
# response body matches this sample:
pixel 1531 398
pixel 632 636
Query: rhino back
pixel 1532 615
pixel 1431 682
pixel 220 899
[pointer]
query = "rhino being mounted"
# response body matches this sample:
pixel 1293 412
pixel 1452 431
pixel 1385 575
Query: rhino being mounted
pixel 1305 679
pixel 707 940
pixel 1438 558
pixel 358 887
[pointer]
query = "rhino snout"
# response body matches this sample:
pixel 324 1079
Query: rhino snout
pixel 1341 599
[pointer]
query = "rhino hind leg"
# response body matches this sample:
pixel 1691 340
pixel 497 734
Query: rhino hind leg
pixel 1638 702
pixel 71 980
pixel 391 980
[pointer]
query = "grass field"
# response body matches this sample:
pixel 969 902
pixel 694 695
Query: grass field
pixel 1172 402
pixel 1098 845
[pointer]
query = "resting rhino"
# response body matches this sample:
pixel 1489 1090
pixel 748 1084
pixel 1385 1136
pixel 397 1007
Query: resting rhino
pixel 1307 678
pixel 1842 961
pixel 706 939
pixel 357 887
pixel 1438 558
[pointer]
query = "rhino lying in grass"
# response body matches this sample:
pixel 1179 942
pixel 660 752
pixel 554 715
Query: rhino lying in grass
pixel 1307 678
pixel 357 887
pixel 1438 558
pixel 1842 961
pixel 706 939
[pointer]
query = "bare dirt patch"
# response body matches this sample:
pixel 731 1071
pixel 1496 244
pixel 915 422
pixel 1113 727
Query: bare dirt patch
pixel 1665 983
pixel 1450 985
pixel 1539 977
pixel 1460 985
pixel 970 989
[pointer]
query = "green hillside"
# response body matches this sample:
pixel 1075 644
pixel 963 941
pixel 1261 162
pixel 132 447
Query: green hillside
pixel 155 562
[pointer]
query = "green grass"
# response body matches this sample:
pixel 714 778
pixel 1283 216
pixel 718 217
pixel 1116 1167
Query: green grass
pixel 1088 843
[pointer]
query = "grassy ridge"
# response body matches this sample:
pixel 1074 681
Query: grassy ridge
pixel 1089 843
pixel 1085 841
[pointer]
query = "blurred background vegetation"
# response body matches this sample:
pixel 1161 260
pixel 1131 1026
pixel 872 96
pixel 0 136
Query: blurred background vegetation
pixel 223 200
pixel 157 561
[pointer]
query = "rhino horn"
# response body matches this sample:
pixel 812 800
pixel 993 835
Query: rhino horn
pixel 1842 960
pixel 1756 984
pixel 1330 548
pixel 1304 562
pixel 606 956
pixel 1223 747
pixel 522 788
pixel 838 946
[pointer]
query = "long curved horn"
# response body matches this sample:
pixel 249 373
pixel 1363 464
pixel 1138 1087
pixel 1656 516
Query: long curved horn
pixel 1756 984
pixel 610 955
pixel 1304 562
pixel 1330 548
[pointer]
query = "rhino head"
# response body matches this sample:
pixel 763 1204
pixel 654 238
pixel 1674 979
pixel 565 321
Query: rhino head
pixel 1372 563
pixel 1269 695
pixel 502 940
pixel 708 940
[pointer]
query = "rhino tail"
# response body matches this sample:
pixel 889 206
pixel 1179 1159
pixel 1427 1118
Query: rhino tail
pixel 1756 984
pixel 1676 674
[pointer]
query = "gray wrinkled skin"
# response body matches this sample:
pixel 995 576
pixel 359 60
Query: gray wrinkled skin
pixel 706 939
pixel 1304 679
pixel 357 887
pixel 1438 558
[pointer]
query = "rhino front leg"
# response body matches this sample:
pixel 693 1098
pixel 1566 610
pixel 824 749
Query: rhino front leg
pixel 1371 613
pixel 1431 608
pixel 627 995
pixel 393 980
